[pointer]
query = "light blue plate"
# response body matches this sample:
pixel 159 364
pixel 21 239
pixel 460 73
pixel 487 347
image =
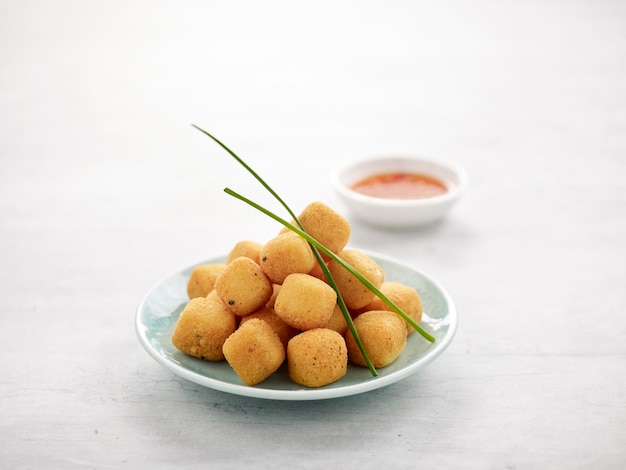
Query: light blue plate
pixel 158 312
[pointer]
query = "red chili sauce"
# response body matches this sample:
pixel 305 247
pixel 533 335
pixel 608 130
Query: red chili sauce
pixel 400 186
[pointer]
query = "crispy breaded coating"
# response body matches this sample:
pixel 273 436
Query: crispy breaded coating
pixel 286 254
pixel 248 248
pixel 305 302
pixel 383 335
pixel 202 328
pixel 202 279
pixel 254 351
pixel 404 297
pixel 317 357
pixel 243 286
pixel 326 225
pixel 354 293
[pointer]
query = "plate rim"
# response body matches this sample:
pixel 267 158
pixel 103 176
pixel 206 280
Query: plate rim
pixel 369 384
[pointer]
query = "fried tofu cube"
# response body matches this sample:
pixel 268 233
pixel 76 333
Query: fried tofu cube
pixel 326 225
pixel 248 248
pixel 305 302
pixel 202 328
pixel 317 357
pixel 354 293
pixel 405 297
pixel 286 254
pixel 254 351
pixel 383 335
pixel 202 279
pixel 243 286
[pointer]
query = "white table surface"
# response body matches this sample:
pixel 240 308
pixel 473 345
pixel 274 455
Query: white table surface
pixel 105 188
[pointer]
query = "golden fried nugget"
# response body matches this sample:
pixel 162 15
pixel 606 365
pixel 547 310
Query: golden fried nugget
pixel 243 286
pixel 286 254
pixel 250 249
pixel 337 321
pixel 355 294
pixel 325 225
pixel 305 302
pixel 404 297
pixel 254 351
pixel 383 335
pixel 284 331
pixel 317 357
pixel 202 279
pixel 202 329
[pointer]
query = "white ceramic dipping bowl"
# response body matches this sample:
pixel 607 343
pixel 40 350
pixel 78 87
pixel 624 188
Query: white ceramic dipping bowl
pixel 399 213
